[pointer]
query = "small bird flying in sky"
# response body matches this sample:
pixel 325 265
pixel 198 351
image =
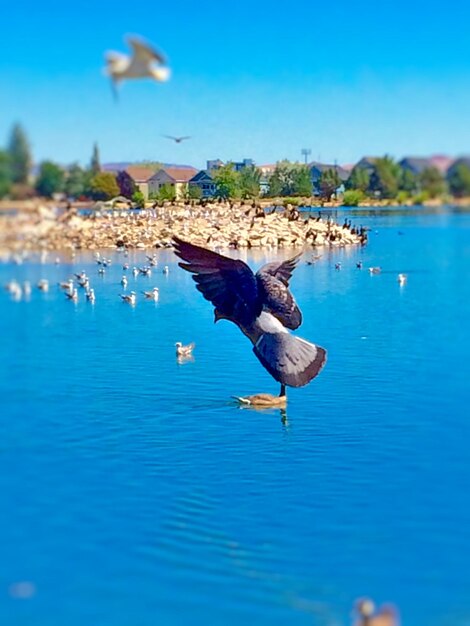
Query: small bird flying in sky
pixel 262 307
pixel 177 139
pixel 145 62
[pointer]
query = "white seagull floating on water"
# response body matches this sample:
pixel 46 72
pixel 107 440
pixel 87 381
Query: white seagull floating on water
pixel 129 298
pixel 184 351
pixel 145 62
pixel 152 295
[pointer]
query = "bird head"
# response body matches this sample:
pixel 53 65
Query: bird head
pixel 365 607
pixel 178 344
pixel 161 73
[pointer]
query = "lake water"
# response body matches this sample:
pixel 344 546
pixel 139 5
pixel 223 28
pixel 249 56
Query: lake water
pixel 135 492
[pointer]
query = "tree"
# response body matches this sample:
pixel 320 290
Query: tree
pixel 127 186
pixel 301 180
pixel 167 192
pixel 138 198
pixel 432 182
pixel 194 192
pixel 329 183
pixel 281 182
pixel 50 179
pixel 385 177
pixel 249 179
pixel 20 155
pixel 359 179
pixel 408 181
pixel 227 182
pixel 103 186
pixel 353 197
pixel 459 180
pixel 95 165
pixel 5 174
pixel 75 182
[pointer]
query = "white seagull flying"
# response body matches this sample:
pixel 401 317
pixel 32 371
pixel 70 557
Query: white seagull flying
pixel 145 62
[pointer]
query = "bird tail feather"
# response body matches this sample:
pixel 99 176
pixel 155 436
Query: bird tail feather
pixel 290 360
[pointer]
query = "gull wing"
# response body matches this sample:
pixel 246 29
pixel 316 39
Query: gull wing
pixel 228 283
pixel 143 52
pixel 282 271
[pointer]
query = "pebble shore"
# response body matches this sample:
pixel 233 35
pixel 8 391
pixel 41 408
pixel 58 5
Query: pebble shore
pixel 213 225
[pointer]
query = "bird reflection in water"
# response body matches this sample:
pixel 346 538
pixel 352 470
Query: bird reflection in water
pixel 182 360
pixel 281 411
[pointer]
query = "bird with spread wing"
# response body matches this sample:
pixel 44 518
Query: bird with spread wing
pixel 145 62
pixel 177 139
pixel 261 305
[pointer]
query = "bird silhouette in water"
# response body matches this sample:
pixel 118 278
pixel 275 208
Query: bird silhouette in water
pixel 145 62
pixel 262 307
pixel 177 139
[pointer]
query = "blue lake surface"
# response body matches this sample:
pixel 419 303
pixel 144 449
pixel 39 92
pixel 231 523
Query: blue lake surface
pixel 135 492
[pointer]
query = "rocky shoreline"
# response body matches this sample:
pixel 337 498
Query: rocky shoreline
pixel 213 225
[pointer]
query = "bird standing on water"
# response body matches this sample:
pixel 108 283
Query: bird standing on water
pixel 367 615
pixel 262 307
pixel 145 62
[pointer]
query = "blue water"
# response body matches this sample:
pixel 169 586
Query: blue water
pixel 134 492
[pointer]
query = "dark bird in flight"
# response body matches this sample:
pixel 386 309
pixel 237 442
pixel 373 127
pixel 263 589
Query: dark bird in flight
pixel 262 307
pixel 177 139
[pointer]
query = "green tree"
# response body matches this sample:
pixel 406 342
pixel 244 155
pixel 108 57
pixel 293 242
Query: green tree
pixel 385 177
pixel 353 197
pixel 459 180
pixel 301 180
pixel 167 192
pixel 138 198
pixel 103 186
pixel 249 179
pixel 329 183
pixel 359 179
pixel 194 192
pixel 5 174
pixel 432 182
pixel 281 182
pixel 408 181
pixel 95 165
pixel 227 182
pixel 75 181
pixel 20 155
pixel 50 179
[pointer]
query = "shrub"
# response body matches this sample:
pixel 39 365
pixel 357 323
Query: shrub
pixel 353 197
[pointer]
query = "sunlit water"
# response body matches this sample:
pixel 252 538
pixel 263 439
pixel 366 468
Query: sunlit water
pixel 135 492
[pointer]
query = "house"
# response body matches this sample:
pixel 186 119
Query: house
pixel 177 177
pixel 415 165
pixel 238 166
pixel 204 181
pixel 465 161
pixel 317 169
pixel 214 164
pixel 266 172
pixel 366 163
pixel 442 163
pixel 141 175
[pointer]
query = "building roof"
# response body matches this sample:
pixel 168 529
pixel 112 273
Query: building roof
pixel 180 174
pixel 201 175
pixel 416 164
pixel 441 162
pixel 140 173
pixel 323 167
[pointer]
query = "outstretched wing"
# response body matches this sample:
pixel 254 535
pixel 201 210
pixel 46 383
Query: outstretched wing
pixel 281 271
pixel 228 283
pixel 278 300
pixel 143 52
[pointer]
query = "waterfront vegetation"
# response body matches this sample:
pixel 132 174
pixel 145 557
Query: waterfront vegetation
pixel 371 180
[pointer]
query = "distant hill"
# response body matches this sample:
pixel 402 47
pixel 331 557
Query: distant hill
pixel 122 165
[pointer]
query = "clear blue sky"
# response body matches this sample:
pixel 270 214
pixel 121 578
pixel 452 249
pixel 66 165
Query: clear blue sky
pixel 250 79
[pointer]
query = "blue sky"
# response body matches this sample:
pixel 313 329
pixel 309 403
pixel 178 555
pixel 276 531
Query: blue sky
pixel 250 79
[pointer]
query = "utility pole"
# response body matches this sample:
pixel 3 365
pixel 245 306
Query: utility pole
pixel 306 152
